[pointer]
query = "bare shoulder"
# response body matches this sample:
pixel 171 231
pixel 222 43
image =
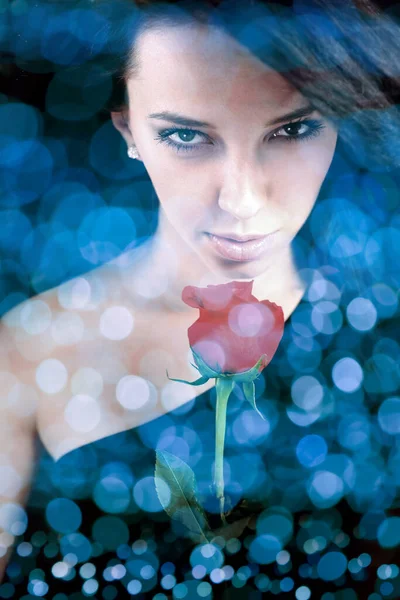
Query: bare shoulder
pixel 95 357
pixel 18 399
pixel 70 345
pixel 18 421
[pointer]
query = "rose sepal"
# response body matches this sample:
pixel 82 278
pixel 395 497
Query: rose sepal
pixel 199 381
pixel 250 395
pixel 243 376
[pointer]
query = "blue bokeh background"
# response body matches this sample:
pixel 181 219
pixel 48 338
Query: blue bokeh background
pixel 71 199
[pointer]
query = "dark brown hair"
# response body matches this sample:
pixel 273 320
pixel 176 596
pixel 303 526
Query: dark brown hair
pixel 342 55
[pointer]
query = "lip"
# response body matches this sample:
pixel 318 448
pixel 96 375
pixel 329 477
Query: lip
pixel 242 251
pixel 239 238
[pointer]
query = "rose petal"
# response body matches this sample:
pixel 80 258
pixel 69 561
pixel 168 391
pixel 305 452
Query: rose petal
pixel 217 297
pixel 245 330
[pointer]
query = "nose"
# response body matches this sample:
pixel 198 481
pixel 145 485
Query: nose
pixel 243 192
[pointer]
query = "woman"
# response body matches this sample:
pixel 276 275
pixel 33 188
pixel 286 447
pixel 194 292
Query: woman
pixel 236 114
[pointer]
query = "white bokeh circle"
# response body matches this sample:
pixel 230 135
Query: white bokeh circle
pixel 133 392
pixel 82 413
pixel 250 320
pixel 51 376
pixel 116 323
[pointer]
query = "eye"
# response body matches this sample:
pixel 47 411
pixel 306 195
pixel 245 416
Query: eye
pixel 185 135
pixel 311 128
pixel 183 138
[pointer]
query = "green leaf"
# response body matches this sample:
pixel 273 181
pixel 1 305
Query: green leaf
pixel 232 530
pixel 178 496
pixel 250 394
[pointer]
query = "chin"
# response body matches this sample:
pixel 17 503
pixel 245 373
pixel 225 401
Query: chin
pixel 234 269
pixel 243 271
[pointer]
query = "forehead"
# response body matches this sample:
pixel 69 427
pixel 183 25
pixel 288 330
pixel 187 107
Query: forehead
pixel 196 61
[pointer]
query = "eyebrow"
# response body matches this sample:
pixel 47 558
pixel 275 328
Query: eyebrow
pixel 187 121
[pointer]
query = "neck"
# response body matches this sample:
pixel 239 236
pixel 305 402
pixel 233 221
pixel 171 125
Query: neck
pixel 170 258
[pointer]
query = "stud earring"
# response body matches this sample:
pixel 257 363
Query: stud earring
pixel 132 152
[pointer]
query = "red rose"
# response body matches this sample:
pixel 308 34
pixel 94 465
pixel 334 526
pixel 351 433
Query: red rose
pixel 233 340
pixel 234 329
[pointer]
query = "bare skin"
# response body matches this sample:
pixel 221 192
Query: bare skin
pixel 235 175
pixel 158 341
pixel 126 319
pixel 242 177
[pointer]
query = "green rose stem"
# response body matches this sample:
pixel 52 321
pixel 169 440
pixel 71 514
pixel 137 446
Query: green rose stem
pixel 224 383
pixel 215 303
pixel 223 388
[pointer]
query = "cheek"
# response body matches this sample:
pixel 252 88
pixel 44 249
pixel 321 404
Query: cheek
pixel 184 193
pixel 295 190
pixel 298 178
pixel 314 159
pixel 187 210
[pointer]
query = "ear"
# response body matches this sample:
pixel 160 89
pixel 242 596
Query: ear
pixel 121 123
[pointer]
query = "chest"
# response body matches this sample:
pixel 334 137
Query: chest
pixel 114 385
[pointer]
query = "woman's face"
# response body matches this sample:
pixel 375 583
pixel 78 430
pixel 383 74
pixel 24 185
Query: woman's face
pixel 210 123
